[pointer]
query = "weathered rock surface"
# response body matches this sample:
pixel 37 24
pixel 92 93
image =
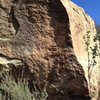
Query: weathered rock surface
pixel 45 39
pixel 98 32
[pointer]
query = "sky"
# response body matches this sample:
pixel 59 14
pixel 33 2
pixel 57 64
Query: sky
pixel 91 7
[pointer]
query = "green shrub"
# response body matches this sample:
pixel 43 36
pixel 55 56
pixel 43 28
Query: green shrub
pixel 93 54
pixel 11 90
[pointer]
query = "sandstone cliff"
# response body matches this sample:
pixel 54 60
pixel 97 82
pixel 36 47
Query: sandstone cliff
pixel 44 38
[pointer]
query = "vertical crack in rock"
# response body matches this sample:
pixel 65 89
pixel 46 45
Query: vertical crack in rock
pixel 8 23
pixel 14 20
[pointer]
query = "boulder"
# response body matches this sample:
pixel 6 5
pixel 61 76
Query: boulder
pixel 44 40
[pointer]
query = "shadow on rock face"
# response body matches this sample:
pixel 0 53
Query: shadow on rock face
pixel 66 97
pixel 60 23
pixel 29 1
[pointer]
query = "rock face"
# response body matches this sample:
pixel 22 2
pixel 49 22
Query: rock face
pixel 98 31
pixel 44 38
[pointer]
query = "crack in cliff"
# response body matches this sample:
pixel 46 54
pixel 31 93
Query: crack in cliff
pixel 14 20
pixel 8 58
pixel 9 24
